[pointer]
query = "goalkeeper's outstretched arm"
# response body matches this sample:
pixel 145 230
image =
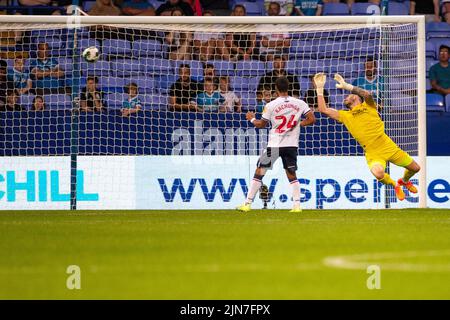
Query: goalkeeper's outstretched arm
pixel 366 95
pixel 319 80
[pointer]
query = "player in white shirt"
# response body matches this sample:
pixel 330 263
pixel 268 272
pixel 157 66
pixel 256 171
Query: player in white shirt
pixel 284 114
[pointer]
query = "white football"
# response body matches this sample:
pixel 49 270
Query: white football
pixel 91 54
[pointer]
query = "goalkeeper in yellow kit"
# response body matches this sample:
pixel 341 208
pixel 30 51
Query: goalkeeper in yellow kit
pixel 365 125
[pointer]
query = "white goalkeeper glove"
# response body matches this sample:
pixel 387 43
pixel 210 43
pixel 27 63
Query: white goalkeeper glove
pixel 341 84
pixel 319 81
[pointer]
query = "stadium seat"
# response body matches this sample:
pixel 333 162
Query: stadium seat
pixel 112 84
pixel 397 9
pixel 147 48
pixel 447 103
pixel 248 99
pixel 155 101
pixel 244 83
pixel 253 8
pixel 431 50
pixel 145 84
pixel 435 102
pixel 116 47
pixel 58 101
pixel 100 68
pixel 428 84
pixel 156 66
pixel 437 30
pixel 126 68
pixel 309 67
pixel 87 5
pixel 65 64
pixel 335 9
pixel 365 9
pixel 250 68
pixel 26 101
pixel 164 81
pixel 115 100
pixel 223 67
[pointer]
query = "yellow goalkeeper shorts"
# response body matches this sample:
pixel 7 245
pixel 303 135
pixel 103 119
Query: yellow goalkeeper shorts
pixel 387 151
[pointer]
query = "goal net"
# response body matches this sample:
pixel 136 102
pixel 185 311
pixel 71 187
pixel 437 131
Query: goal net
pixel 158 121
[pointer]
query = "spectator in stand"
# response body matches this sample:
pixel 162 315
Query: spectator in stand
pixel 429 8
pixel 11 102
pixel 209 100
pixel 279 65
pixel 266 96
pixel 183 90
pixel 273 44
pixel 5 85
pixel 232 102
pixel 209 72
pixel 440 72
pixel 220 7
pixel 104 8
pixel 20 77
pixel 445 9
pixel 285 7
pixel 209 45
pixel 371 81
pixel 180 43
pixel 91 99
pixel 239 11
pixel 137 8
pixel 308 7
pixel 133 104
pixel 42 7
pixel 241 46
pixel 311 95
pixel 169 5
pixel 38 104
pixel 196 7
pixel 45 71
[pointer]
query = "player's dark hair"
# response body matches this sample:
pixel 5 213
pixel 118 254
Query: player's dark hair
pixel 443 47
pixel 282 84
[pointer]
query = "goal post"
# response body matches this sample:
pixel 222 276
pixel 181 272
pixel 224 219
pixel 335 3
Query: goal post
pixel 138 51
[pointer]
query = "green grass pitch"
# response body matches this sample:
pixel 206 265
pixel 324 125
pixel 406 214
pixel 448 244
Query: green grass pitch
pixel 225 254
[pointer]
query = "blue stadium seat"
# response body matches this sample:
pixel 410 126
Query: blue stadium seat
pixel 435 102
pixel 365 9
pixel 115 100
pixel 157 66
pixel 116 47
pixel 100 68
pixel 65 64
pixel 87 5
pixel 145 84
pixel 58 101
pixel 126 68
pixel 147 48
pixel 248 100
pixel 253 8
pixel 244 83
pixel 447 103
pixel 431 50
pixel 155 101
pixel 223 67
pixel 397 9
pixel 429 84
pixel 164 81
pixel 112 84
pixel 250 68
pixel 437 30
pixel 335 9
pixel 26 100
pixel 309 67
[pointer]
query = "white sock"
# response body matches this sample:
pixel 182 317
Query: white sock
pixel 254 187
pixel 295 192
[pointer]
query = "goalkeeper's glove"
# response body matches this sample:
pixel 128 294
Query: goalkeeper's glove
pixel 319 81
pixel 341 84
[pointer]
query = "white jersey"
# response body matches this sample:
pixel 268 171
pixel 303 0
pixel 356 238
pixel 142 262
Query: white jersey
pixel 284 114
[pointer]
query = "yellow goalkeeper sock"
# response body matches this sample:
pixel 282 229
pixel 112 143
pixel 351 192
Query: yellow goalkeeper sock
pixel 387 180
pixel 407 175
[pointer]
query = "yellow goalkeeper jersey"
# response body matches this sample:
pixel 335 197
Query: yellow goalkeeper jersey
pixel 363 123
